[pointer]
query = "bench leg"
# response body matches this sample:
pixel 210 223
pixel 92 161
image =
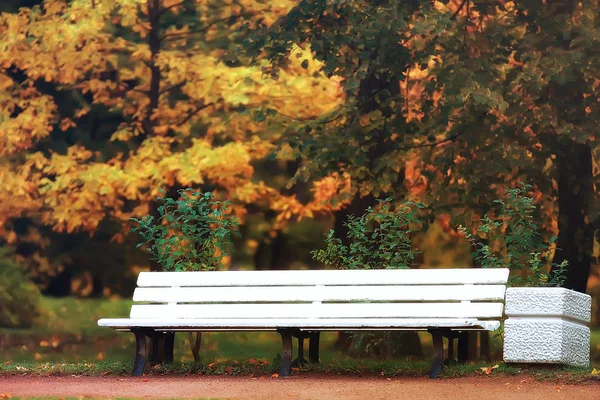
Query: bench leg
pixel 437 365
pixel 157 341
pixel 286 353
pixel 300 361
pixel 313 347
pixel 463 347
pixel 450 360
pixel 169 346
pixel 140 352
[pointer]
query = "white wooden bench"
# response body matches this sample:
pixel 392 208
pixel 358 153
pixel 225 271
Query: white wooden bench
pixel 445 302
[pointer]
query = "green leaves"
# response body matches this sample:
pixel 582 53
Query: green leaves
pixel 378 239
pixel 513 241
pixel 191 233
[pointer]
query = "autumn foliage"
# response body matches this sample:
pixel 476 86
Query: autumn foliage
pixel 104 102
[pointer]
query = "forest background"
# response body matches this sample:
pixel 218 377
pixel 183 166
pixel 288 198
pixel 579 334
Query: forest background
pixel 299 113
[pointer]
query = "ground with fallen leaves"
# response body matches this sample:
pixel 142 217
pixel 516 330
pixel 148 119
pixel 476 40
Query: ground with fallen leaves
pixel 296 387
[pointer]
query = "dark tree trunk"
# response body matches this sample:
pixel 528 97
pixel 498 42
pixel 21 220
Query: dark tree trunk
pixel 271 253
pixel 60 285
pixel 97 287
pixel 576 233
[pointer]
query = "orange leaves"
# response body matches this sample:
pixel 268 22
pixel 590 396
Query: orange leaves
pixel 331 193
pixel 25 116
pixel 72 45
pixel 488 370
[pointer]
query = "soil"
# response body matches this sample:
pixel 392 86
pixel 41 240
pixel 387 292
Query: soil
pixel 296 387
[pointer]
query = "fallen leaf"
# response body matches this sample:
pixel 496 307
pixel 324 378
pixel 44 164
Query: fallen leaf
pixel 488 370
pixel 5 395
pixel 275 376
pixel 211 365
pixel 295 369
pixel 595 372
pixel 229 370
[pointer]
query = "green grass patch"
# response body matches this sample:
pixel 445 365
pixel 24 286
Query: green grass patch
pixel 68 341
pixel 348 367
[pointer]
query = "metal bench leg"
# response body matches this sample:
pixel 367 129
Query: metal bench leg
pixel 157 343
pixel 437 365
pixel 286 353
pixel 300 361
pixel 168 348
pixel 463 347
pixel 450 360
pixel 313 347
pixel 140 352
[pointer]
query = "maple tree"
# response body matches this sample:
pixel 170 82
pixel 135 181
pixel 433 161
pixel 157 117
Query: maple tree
pixel 451 101
pixel 102 103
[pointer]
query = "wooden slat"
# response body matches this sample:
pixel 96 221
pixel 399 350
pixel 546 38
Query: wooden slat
pixel 455 276
pixel 328 324
pixel 276 312
pixel 320 293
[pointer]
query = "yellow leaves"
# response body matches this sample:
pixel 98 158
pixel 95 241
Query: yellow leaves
pixel 5 82
pixel 73 46
pixel 54 6
pixel 173 5
pixel 26 116
pixel 142 28
pixel 438 5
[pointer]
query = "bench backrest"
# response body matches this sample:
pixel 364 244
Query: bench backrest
pixel 417 293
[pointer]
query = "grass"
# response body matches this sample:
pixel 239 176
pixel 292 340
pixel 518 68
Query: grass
pixel 67 341
pixel 264 368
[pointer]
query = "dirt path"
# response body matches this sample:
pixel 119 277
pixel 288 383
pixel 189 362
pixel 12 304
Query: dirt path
pixel 297 387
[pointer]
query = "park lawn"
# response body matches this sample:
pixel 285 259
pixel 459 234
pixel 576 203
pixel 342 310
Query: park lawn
pixel 68 339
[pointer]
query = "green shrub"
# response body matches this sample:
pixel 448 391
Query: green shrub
pixel 19 297
pixel 513 240
pixel 377 239
pixel 191 233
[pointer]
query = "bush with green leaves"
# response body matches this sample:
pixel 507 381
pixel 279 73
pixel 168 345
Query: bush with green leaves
pixel 378 239
pixel 513 240
pixel 19 297
pixel 191 233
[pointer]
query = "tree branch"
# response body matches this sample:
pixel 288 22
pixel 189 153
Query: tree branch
pixel 177 85
pixel 450 138
pixel 164 10
pixel 191 114
pixel 452 18
pixel 206 27
pixel 458 10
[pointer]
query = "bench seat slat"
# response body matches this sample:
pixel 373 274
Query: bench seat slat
pixel 478 276
pixel 303 324
pixel 320 293
pixel 327 310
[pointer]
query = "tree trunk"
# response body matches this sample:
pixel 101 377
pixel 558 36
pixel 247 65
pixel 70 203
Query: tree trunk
pixel 575 194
